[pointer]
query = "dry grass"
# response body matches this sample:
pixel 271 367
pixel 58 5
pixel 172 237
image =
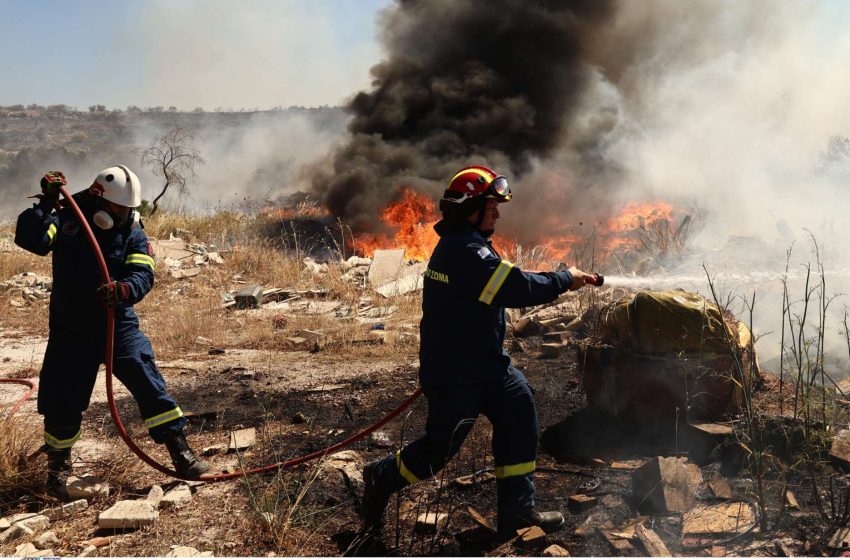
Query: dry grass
pixel 18 477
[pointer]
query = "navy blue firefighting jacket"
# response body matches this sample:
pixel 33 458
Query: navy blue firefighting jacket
pixel 467 287
pixel 74 303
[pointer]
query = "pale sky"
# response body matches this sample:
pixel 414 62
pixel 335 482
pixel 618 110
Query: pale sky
pixel 188 53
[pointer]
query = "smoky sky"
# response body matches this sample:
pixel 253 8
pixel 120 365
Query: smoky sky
pixel 463 81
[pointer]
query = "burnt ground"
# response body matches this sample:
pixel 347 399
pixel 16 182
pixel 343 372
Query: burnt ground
pixel 301 402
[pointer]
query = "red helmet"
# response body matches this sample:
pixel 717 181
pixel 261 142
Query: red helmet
pixel 477 181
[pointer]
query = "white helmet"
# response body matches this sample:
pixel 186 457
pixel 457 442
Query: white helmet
pixel 119 185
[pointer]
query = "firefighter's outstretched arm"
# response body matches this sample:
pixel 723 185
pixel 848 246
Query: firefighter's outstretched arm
pixel 503 284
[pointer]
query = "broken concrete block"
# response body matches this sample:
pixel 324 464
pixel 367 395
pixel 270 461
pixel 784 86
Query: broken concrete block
pixel 155 495
pixel 213 449
pixel 387 265
pixel 732 517
pixel 840 540
pixel 664 484
pixel 702 438
pixel 839 452
pixel 46 540
pixel 532 537
pixel 249 297
pixel 551 350
pixel 628 465
pixel 349 463
pixel 652 543
pixel 177 497
pixel 35 523
pixel 471 479
pixel 4 524
pixel 242 439
pixel 86 487
pixel 65 510
pixel 720 488
pixel 15 532
pixel 479 519
pixel 26 549
pixel 430 522
pixel 556 551
pixel 791 500
pixel 178 551
pixel 181 273
pixel 128 514
pixel 89 551
pixel 99 542
pixel 621 545
pixel 526 326
pixel 579 503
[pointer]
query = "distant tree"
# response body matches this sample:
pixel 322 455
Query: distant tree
pixel 198 110
pixel 97 108
pixel 172 109
pixel 133 109
pixel 157 109
pixel 174 158
pixel 15 107
pixel 35 107
pixel 58 108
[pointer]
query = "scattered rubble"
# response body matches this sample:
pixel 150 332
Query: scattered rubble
pixel 178 551
pixel 28 287
pixel 15 532
pixel 839 452
pixel 155 495
pixel 580 503
pixel 651 542
pixel 531 537
pixel 46 540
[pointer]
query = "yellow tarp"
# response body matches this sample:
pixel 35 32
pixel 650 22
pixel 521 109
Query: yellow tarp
pixel 668 322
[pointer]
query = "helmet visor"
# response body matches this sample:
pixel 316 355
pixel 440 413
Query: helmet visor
pixel 500 187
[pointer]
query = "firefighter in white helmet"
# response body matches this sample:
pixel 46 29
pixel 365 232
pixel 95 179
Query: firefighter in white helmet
pixel 75 347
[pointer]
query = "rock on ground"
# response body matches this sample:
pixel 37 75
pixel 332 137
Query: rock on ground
pixel 86 487
pixel 177 497
pixel 732 517
pixel 60 512
pixel 128 514
pixel 665 484
pixel 46 540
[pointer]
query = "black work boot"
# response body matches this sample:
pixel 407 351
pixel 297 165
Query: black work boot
pixel 375 499
pixel 509 523
pixel 186 463
pixel 58 471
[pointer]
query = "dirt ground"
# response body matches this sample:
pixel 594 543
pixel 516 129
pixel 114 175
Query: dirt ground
pixel 230 370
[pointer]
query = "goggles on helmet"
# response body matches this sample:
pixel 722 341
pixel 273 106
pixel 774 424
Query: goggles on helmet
pixel 498 188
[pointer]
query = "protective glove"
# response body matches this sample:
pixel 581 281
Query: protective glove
pixel 51 183
pixel 113 293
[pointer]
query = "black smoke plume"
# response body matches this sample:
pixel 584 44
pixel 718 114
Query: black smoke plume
pixel 465 81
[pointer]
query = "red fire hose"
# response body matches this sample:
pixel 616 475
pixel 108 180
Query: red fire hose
pixel 116 418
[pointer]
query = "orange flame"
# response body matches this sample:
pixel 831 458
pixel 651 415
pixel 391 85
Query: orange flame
pixel 413 218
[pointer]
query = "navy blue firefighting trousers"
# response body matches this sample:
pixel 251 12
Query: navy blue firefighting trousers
pixel 508 405
pixel 68 376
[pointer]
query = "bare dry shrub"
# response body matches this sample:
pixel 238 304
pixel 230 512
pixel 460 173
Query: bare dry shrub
pixel 209 228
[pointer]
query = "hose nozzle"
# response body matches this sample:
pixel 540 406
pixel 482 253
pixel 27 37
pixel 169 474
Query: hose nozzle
pixel 598 279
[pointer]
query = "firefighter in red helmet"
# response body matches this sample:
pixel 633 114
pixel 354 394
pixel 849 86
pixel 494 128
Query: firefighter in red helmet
pixel 464 369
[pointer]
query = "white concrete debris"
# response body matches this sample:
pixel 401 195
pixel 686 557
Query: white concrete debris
pixel 65 510
pixel 35 523
pixel 177 498
pixel 155 495
pixel 15 532
pixel 128 514
pixel 46 540
pixel 178 551
pixel 86 487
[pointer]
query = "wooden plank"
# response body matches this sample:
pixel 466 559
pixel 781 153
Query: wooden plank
pixel 651 542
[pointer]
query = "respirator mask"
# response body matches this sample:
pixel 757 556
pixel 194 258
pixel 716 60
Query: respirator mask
pixel 106 219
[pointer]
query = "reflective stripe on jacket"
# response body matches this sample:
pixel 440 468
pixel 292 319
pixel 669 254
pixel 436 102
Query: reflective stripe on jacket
pixel 467 286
